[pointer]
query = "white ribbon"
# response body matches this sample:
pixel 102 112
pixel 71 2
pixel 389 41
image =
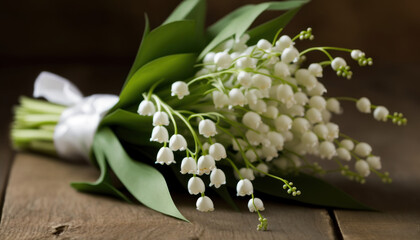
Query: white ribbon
pixel 74 133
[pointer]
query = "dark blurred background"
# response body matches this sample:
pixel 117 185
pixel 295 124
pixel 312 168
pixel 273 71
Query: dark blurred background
pixel 93 43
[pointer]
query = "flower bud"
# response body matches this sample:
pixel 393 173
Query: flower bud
pixel 247 173
pixel 209 58
pixel 315 69
pixel 289 54
pixel 276 140
pixel 356 54
pixel 301 98
pixel 333 105
pixel 283 123
pixel 362 167
pixel 309 140
pixel 321 131
pixel 374 162
pixel 281 70
pixel 220 99
pixel 258 204
pixel 347 144
pixel 381 113
pixel 337 63
pixel 263 168
pixel 223 60
pixel 343 153
pixel 363 105
pixel 146 108
pixel 300 125
pixel 269 152
pixel 245 79
pixel 260 106
pixel 244 187
pixel 333 131
pixel 271 112
pixel 305 78
pixel 261 81
pixel 217 178
pixel 217 151
pixel 314 115
pixel 284 42
pixel 236 97
pixel 195 186
pixel 159 134
pixel 188 165
pixel 318 90
pixel 245 62
pixel 318 102
pixel 327 150
pixel 204 204
pixel 363 149
pixel 160 118
pixel 285 95
pixel 207 128
pixel 250 155
pixel 177 142
pixel 179 89
pixel 251 120
pixel 264 44
pixel 205 164
pixel 165 155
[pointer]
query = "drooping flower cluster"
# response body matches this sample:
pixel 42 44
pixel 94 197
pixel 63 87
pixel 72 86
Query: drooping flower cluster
pixel 265 111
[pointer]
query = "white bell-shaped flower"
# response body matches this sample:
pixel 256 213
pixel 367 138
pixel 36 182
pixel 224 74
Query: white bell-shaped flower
pixel 204 204
pixel 381 113
pixel 318 102
pixel 196 186
pixel 188 165
pixel 251 120
pixel 283 123
pixel 333 131
pixel 337 63
pixel 256 203
pixel 363 105
pixel 327 150
pixel 333 105
pixel 326 115
pixel 241 142
pixel 321 131
pixel 217 178
pixel 253 137
pixel 309 140
pixel 247 173
pixel 356 54
pixel 269 152
pixel 263 168
pixel 276 140
pixel 146 108
pixel 285 95
pixel 217 151
pixel 236 97
pixel 261 81
pixel 205 164
pixel 272 112
pixel 209 58
pixel 363 149
pixel 362 167
pixel 300 125
pixel 347 144
pixel 179 89
pixel 223 60
pixel 305 78
pixel 284 42
pixel 165 156
pixel 244 187
pixel 301 98
pixel 245 62
pixel 220 99
pixel 314 115
pixel 159 134
pixel 250 155
pixel 281 70
pixel 343 153
pixel 315 69
pixel 207 128
pixel 374 162
pixel 318 90
pixel 245 79
pixel 289 55
pixel 264 44
pixel 160 118
pixel 177 142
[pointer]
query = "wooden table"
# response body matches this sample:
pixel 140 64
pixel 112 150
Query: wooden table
pixel 38 202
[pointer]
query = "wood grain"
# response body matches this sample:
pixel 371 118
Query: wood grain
pixel 40 204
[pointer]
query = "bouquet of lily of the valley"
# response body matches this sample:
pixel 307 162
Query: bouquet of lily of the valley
pixel 229 108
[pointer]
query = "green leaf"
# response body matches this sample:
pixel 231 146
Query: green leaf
pixel 144 182
pixel 168 68
pixel 269 29
pixel 189 9
pixel 314 191
pixel 236 23
pixel 103 185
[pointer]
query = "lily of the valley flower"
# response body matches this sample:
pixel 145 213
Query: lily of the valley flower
pixel 363 149
pixel 177 142
pixel 256 202
pixel 217 178
pixel 207 128
pixel 160 118
pixel 204 204
pixel 179 89
pixel 363 105
pixel 205 164
pixel 146 108
pixel 159 134
pixel 165 156
pixel 244 187
pixel 217 151
pixel 362 167
pixel 188 165
pixel 196 186
pixel 381 113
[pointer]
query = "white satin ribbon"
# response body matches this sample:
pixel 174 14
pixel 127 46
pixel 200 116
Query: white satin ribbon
pixel 74 133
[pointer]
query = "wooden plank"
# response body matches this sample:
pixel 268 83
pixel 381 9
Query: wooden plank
pixel 40 204
pixel 398 203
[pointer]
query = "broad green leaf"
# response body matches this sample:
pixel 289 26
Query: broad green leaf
pixel 168 68
pixel 269 29
pixel 103 185
pixel 314 191
pixel 241 19
pixel 136 65
pixel 189 9
pixel 144 182
pixel 127 119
